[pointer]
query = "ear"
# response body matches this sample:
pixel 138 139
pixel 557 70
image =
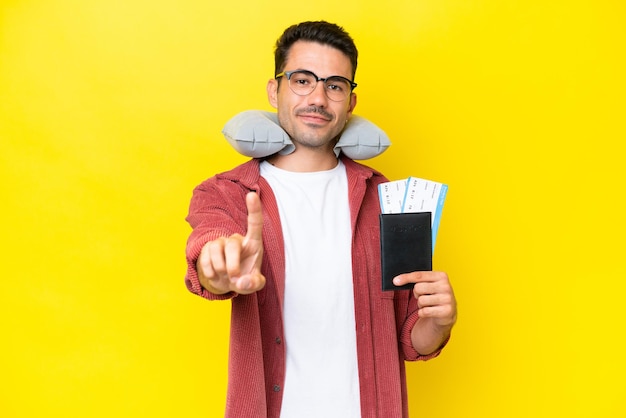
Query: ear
pixel 272 92
pixel 352 104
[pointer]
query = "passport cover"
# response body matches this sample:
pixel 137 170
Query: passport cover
pixel 405 246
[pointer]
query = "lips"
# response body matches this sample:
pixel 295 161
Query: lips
pixel 314 118
pixel 314 114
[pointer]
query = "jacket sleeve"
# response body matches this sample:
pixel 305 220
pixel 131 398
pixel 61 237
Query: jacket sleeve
pixel 406 308
pixel 217 209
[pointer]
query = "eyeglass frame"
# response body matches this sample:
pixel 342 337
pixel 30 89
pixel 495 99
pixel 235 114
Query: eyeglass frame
pixel 288 74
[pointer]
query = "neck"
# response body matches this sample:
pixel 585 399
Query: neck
pixel 303 161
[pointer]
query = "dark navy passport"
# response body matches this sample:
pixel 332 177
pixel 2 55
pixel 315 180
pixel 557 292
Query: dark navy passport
pixel 405 246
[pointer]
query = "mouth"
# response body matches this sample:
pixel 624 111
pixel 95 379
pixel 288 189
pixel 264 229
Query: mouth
pixel 314 115
pixel 313 118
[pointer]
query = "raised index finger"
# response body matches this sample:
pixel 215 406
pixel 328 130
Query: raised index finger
pixel 255 218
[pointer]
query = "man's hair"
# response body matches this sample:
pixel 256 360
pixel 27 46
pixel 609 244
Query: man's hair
pixel 321 32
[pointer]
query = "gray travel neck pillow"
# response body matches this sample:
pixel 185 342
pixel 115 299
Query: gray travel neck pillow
pixel 257 134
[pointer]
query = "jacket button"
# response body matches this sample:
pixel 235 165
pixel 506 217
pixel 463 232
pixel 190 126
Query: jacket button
pixel 276 388
pixel 278 340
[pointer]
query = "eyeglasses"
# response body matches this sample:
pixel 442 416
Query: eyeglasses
pixel 303 82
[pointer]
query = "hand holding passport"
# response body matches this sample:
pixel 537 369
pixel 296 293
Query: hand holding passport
pixel 411 210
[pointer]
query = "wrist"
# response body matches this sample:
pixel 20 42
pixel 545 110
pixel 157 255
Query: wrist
pixel 427 337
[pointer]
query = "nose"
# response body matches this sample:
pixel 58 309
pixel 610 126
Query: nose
pixel 318 95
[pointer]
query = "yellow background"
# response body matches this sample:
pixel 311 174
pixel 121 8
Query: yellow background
pixel 111 112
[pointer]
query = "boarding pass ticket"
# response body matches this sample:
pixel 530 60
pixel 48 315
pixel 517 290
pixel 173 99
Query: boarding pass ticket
pixel 414 195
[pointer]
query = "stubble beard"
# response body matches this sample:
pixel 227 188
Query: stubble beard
pixel 311 138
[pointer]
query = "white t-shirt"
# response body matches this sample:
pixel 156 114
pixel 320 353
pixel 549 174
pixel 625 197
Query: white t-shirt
pixel 321 372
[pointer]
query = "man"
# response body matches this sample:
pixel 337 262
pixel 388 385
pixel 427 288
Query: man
pixel 293 241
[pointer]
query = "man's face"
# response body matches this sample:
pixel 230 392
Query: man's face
pixel 312 120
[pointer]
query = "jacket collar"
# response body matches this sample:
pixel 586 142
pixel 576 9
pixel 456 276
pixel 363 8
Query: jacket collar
pixel 248 173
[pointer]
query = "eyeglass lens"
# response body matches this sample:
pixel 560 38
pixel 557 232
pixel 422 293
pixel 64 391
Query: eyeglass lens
pixel 304 82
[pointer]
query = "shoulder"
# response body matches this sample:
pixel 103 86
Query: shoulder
pixel 356 169
pixel 245 174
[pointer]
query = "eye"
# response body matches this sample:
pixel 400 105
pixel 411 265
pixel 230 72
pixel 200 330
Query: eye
pixel 337 84
pixel 302 78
